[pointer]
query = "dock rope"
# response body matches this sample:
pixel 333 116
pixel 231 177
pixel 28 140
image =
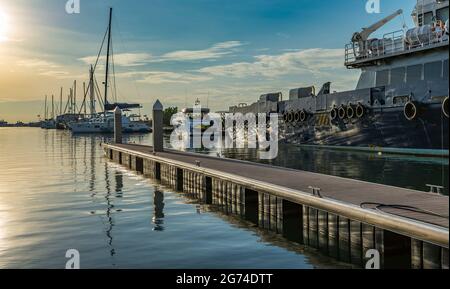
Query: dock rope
pixel 380 206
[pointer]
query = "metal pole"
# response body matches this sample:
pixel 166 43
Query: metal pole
pixel 158 127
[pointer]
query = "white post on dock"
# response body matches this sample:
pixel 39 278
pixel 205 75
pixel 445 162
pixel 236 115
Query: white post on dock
pixel 118 125
pixel 158 127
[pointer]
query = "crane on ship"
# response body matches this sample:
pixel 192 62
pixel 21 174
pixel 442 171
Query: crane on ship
pixel 360 39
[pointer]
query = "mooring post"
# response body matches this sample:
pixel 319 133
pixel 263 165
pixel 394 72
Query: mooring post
pixel 158 127
pixel 118 125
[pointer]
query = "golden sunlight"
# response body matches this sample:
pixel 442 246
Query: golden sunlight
pixel 3 25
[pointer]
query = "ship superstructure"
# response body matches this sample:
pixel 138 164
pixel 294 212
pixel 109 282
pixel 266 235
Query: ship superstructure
pixel 401 99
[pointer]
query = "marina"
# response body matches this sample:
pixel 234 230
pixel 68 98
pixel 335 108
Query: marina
pixel 77 119
pixel 110 205
pixel 105 163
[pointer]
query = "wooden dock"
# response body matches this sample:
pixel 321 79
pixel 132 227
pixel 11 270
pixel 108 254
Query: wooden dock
pixel 341 217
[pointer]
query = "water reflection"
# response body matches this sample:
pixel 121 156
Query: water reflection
pixel 158 212
pixel 59 192
pixel 395 170
pixel 109 224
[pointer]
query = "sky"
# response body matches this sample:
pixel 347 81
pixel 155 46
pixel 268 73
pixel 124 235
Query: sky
pixel 223 52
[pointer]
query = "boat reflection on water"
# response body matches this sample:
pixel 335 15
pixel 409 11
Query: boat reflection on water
pixel 116 218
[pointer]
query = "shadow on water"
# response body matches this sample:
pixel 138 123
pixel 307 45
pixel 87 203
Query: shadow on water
pixel 313 256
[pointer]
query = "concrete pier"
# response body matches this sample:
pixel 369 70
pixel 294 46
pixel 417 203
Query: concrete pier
pixel 344 222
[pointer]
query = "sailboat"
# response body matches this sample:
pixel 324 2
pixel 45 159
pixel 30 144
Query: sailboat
pixel 49 123
pixel 104 122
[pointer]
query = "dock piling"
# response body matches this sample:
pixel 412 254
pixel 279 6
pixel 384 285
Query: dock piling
pixel 118 125
pixel 158 127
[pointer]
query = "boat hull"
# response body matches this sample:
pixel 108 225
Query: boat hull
pixel 383 130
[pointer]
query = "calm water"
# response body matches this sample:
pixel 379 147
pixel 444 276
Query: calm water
pixel 57 192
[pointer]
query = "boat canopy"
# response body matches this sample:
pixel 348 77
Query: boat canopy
pixel 112 106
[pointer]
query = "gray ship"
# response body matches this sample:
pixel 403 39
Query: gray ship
pixel 400 104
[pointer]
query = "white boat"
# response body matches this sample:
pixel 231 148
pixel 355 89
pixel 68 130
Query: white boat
pixel 105 124
pixel 48 124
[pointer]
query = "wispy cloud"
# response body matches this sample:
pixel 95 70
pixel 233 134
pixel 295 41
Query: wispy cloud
pixel 218 50
pixel 312 66
pixel 123 59
pixel 309 61
pixel 37 63
pixel 47 68
pixel 161 77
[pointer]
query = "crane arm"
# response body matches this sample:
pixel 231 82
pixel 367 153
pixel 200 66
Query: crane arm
pixel 366 32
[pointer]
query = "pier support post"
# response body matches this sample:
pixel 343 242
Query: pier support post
pixel 118 125
pixel 333 235
pixel 431 256
pixel 344 240
pixel 368 240
pixel 292 221
pixel 208 191
pixel 251 206
pixel 322 225
pixel 416 254
pixel 356 254
pixel 158 127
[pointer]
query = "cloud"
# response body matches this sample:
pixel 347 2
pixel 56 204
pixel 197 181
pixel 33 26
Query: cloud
pixel 47 68
pixel 161 77
pixel 37 63
pixel 310 66
pixel 122 59
pixel 309 61
pixel 218 50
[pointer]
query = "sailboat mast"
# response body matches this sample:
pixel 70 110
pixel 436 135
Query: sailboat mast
pixel 53 107
pixel 91 91
pixel 75 97
pixel 71 100
pixel 60 101
pixel 84 100
pixel 107 59
pixel 45 108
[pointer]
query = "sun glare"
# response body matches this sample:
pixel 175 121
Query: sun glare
pixel 3 26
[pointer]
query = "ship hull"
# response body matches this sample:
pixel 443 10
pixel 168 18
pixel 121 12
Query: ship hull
pixel 382 130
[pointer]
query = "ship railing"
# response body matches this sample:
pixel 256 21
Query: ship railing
pixel 391 43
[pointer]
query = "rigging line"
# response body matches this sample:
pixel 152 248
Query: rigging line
pixel 67 104
pixel 84 99
pixel 379 207
pixel 113 84
pixel 114 77
pixel 101 49
pixel 99 96
pixel 122 42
